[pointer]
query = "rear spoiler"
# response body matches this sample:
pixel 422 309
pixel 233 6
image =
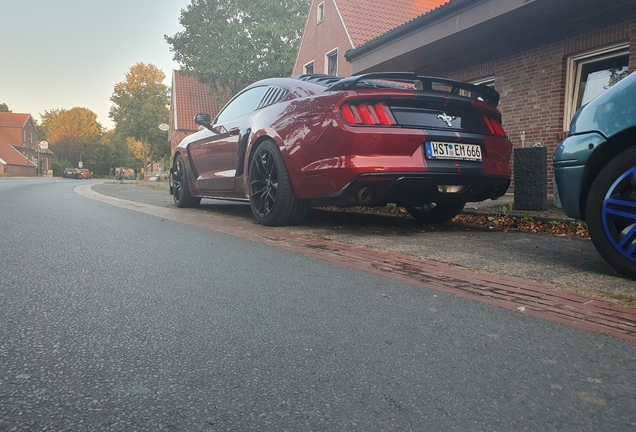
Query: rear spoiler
pixel 421 83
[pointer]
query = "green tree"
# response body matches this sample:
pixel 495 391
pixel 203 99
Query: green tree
pixel 4 107
pixel 232 43
pixel 141 105
pixel 110 151
pixel 71 133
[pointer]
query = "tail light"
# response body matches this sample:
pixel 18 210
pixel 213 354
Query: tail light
pixel 367 114
pixel 494 126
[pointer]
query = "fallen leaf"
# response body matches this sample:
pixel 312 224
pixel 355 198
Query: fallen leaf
pixel 387 296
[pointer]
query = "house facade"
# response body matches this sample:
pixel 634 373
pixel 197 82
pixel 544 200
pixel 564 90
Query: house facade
pixel 188 98
pixel 334 27
pixel 545 57
pixel 20 152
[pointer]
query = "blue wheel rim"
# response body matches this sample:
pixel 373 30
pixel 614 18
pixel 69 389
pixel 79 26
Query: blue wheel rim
pixel 619 215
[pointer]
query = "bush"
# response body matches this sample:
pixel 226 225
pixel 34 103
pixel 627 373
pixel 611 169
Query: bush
pixel 59 165
pixel 140 176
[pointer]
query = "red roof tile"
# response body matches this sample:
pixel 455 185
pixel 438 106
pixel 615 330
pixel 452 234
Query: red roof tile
pixel 190 97
pixel 9 154
pixel 367 19
pixel 13 119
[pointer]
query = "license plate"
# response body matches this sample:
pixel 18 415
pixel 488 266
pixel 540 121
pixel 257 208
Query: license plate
pixel 442 150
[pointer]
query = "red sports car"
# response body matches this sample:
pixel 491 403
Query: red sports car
pixel 284 144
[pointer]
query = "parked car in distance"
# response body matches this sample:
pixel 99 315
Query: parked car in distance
pixel 284 144
pixel 595 171
pixel 85 173
pixel 72 173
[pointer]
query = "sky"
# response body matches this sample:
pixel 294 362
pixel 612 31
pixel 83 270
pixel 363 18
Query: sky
pixel 71 53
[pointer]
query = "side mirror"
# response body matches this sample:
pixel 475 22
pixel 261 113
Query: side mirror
pixel 202 119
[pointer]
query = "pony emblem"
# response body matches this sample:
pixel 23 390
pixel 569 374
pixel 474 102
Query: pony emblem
pixel 446 119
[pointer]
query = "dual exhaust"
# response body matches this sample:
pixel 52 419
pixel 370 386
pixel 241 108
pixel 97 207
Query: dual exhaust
pixel 366 193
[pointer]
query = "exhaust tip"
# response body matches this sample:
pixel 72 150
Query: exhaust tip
pixel 365 194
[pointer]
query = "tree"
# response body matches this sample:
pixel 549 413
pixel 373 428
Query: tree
pixel 141 105
pixel 110 151
pixel 232 43
pixel 71 133
pixel 4 107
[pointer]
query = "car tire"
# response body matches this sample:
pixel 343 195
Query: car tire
pixel 272 196
pixel 610 212
pixel 181 189
pixel 435 213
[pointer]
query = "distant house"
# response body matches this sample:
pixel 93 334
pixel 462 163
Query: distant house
pixel 334 27
pixel 190 97
pixel 546 58
pixel 20 153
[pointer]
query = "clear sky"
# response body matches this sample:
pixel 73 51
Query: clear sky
pixel 68 53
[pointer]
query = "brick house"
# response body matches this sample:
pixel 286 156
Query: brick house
pixel 545 57
pixel 20 151
pixel 188 98
pixel 334 27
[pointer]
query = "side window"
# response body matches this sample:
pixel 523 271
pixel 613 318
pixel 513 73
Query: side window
pixel 590 74
pixel 242 104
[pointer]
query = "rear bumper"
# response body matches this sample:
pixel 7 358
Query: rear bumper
pixel 415 189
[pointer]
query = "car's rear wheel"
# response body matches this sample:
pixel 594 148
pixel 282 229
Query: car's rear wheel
pixel 181 190
pixel 435 213
pixel 610 212
pixel 271 194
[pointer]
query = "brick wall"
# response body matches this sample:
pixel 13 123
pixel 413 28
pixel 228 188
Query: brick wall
pixel 319 39
pixel 530 73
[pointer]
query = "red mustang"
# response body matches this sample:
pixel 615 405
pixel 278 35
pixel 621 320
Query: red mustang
pixel 428 144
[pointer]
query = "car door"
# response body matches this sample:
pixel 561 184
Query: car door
pixel 214 156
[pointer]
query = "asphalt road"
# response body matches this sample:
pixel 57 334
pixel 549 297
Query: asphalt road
pixel 117 320
pixel 567 262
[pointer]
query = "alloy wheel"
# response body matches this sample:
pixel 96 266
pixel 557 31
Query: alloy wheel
pixel 619 214
pixel 177 181
pixel 264 182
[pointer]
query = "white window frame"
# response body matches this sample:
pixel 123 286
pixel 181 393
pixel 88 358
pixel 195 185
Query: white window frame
pixel 333 52
pixel 575 65
pixel 313 66
pixel 489 81
pixel 320 13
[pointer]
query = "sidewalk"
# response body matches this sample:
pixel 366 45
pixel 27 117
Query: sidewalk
pixel 505 205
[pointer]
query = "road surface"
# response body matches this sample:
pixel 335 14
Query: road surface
pixel 113 319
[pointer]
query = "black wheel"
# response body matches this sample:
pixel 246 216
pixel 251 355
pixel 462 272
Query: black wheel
pixel 610 212
pixel 435 213
pixel 180 189
pixel 271 194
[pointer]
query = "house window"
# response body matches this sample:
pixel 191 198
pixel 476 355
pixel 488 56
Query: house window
pixel 320 12
pixel 488 81
pixel 309 68
pixel 331 62
pixel 590 74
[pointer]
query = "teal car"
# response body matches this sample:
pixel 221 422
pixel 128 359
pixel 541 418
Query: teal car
pixel 595 171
